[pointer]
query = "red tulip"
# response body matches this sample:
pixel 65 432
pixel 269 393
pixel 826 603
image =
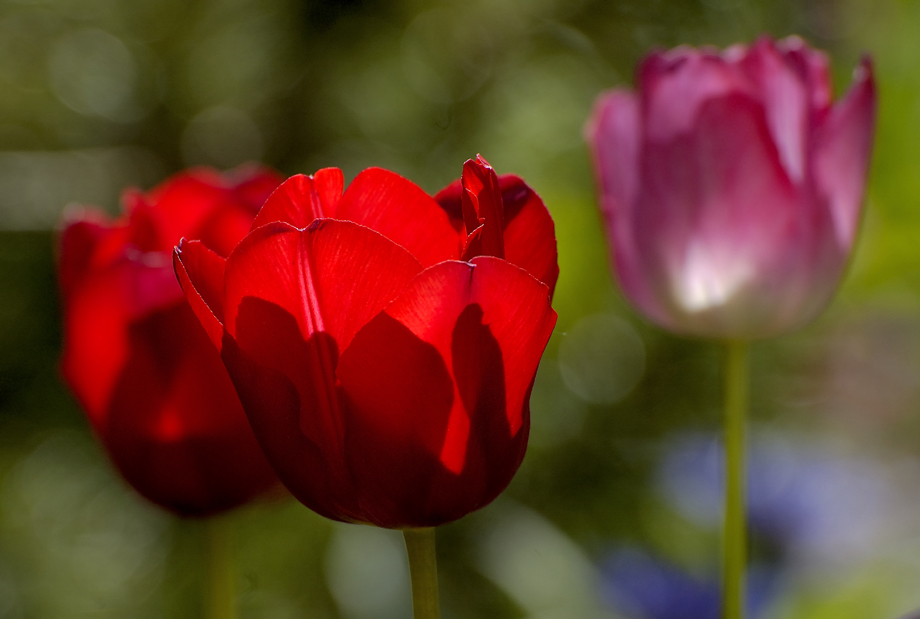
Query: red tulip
pixel 732 186
pixel 387 380
pixel 152 385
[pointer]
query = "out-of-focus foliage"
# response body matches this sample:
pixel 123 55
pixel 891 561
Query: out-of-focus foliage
pixel 99 94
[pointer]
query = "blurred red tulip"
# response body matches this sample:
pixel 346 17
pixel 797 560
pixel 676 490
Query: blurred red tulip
pixel 152 385
pixel 732 186
pixel 387 381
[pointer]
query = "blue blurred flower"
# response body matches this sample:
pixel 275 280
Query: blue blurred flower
pixel 808 506
pixel 803 498
pixel 642 586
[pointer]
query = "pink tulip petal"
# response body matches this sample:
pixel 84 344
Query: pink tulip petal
pixel 731 190
pixel 675 84
pixel 843 144
pixel 614 133
pixel 786 101
pixel 813 69
pixel 719 219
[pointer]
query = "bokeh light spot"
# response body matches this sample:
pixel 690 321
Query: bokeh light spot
pixel 602 358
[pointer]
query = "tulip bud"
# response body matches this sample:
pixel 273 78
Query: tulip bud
pixel 383 341
pixel 137 360
pixel 731 185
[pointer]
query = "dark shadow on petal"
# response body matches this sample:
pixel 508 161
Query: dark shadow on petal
pixel 399 396
pixel 283 383
pixel 493 455
pixel 175 427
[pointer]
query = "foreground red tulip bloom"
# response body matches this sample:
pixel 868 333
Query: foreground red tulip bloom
pixel 732 186
pixel 387 380
pixel 142 368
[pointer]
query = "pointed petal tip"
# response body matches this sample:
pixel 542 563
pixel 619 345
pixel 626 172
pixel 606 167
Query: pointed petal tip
pixel 865 70
pixel 862 92
pixel 199 272
pixel 605 103
pixel 480 161
pixel 478 165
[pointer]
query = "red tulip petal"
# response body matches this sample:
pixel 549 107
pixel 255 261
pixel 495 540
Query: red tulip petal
pixel 333 276
pixel 187 204
pixel 482 206
pixel 182 204
pixel 843 145
pixel 78 242
pixel 149 282
pixel 253 184
pixel 472 247
pixel 449 200
pixel 401 211
pixel 201 275
pixel 329 184
pixel 155 390
pixel 224 228
pixel 98 311
pixel 174 424
pixel 293 300
pixel 144 230
pixel 438 387
pixel 95 340
pixel 301 199
pixel 529 234
pixel 105 285
pixel 306 464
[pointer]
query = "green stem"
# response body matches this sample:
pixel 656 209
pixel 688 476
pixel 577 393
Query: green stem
pixel 423 569
pixel 735 538
pixel 221 602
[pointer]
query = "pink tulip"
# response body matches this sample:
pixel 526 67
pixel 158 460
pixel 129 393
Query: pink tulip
pixel 732 186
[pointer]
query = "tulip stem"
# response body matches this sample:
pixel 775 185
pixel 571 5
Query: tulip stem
pixel 735 536
pixel 221 600
pixel 423 570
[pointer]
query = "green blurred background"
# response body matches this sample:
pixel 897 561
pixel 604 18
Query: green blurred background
pixel 96 95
